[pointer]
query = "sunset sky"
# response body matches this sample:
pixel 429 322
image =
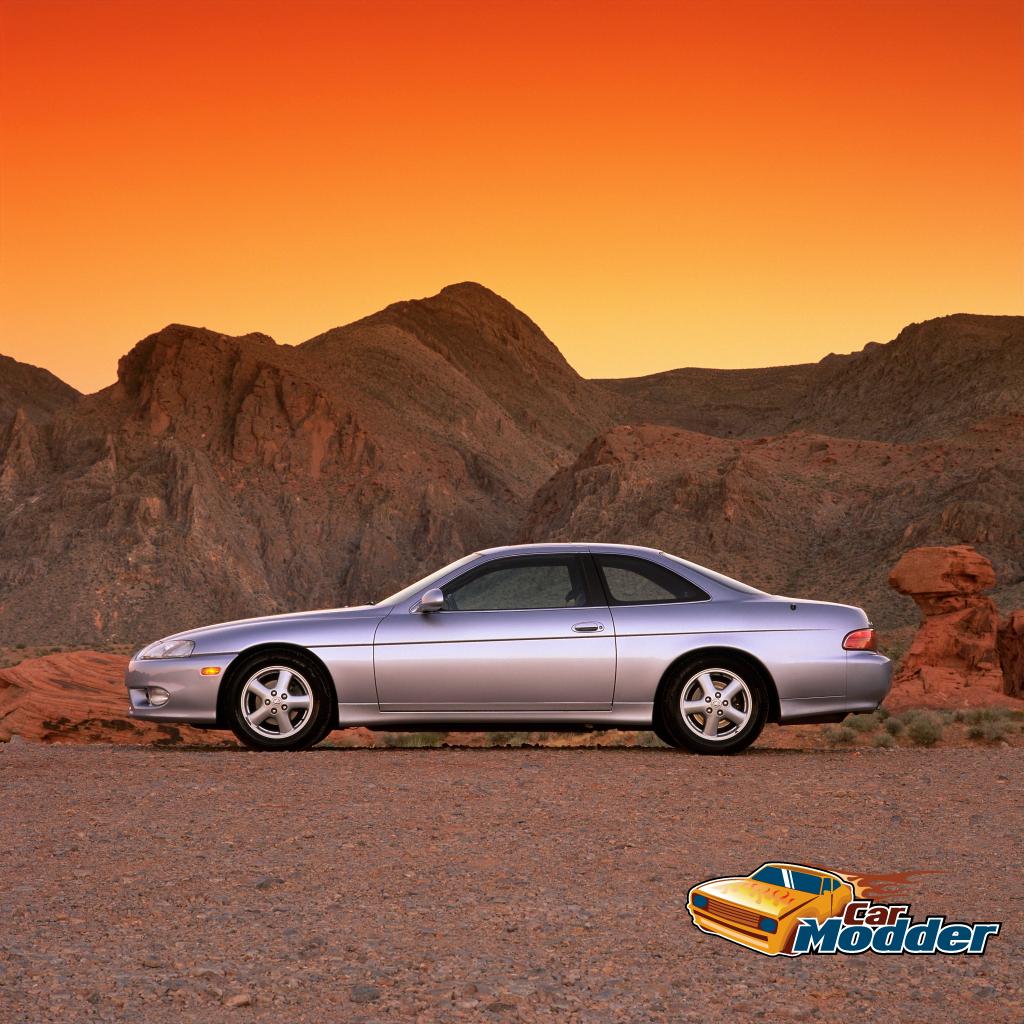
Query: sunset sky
pixel 657 185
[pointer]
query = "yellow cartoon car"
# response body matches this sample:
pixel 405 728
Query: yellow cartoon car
pixel 762 911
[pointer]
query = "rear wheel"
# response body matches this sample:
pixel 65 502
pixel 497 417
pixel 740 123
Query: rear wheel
pixel 714 705
pixel 279 701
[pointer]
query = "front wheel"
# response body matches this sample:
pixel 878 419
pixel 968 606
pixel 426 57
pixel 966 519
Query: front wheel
pixel 279 701
pixel 714 706
pixel 659 730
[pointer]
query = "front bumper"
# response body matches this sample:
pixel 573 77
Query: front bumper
pixel 761 941
pixel 192 697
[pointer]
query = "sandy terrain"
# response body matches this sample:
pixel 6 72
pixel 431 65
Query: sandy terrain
pixel 495 885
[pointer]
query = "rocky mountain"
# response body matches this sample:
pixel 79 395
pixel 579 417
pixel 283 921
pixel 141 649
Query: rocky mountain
pixel 934 380
pixel 221 477
pixel 31 389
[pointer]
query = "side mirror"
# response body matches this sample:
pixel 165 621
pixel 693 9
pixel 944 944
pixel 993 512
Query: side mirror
pixel 431 601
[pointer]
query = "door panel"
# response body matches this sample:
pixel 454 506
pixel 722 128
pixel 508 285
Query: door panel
pixel 496 660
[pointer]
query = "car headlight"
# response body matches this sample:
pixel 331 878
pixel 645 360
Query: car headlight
pixel 768 924
pixel 168 649
pixel 700 900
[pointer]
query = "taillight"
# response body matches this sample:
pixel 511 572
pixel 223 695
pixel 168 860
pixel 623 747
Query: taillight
pixel 860 640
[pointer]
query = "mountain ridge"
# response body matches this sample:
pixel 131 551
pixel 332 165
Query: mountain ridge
pixel 222 476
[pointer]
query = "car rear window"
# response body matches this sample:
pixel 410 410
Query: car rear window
pixel 631 580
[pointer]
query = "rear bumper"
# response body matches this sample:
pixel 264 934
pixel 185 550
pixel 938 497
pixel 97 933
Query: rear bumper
pixel 192 697
pixel 868 678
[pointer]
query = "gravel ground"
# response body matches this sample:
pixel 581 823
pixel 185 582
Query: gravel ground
pixel 493 885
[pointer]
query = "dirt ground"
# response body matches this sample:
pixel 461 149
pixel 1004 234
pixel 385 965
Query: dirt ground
pixel 492 885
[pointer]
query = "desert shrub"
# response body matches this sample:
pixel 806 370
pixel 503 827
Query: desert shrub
pixel 861 723
pixel 894 725
pixel 991 731
pixel 506 739
pixel 975 716
pixel 925 729
pixel 883 740
pixel 837 736
pixel 882 714
pixel 413 739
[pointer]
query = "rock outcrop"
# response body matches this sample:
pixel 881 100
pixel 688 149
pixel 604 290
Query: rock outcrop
pixel 1010 646
pixel 953 660
pixel 80 698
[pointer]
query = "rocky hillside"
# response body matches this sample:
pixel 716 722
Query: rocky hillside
pixel 221 477
pixel 37 393
pixel 934 380
pixel 799 514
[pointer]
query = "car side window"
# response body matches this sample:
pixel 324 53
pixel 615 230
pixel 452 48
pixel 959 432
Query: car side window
pixel 519 584
pixel 630 580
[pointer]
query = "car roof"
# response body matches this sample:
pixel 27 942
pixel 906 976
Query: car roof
pixel 512 549
pixel 824 872
pixel 707 576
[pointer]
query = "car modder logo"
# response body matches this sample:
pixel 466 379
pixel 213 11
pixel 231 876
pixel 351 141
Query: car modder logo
pixel 791 909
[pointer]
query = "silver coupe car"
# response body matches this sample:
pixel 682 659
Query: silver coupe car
pixel 538 636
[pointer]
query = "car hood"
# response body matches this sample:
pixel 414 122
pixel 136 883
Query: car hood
pixel 770 900
pixel 313 618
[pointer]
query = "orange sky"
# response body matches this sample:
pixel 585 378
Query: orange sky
pixel 717 184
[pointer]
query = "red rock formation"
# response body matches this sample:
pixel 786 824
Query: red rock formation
pixel 1010 645
pixel 80 698
pixel 952 661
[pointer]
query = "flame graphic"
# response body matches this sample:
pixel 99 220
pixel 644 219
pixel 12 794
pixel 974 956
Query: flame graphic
pixel 879 886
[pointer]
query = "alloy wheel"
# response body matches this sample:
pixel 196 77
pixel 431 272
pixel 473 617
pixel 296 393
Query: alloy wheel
pixel 715 704
pixel 277 702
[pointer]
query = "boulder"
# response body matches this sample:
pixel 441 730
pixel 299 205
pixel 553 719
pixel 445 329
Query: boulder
pixel 952 661
pixel 942 579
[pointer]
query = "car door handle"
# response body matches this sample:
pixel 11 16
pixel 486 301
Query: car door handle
pixel 588 627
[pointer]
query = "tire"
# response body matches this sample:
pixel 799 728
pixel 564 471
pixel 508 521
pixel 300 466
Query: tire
pixel 734 694
pixel 328 727
pixel 258 707
pixel 659 730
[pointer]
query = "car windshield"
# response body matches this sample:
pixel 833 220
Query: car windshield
pixel 424 584
pixel 788 878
